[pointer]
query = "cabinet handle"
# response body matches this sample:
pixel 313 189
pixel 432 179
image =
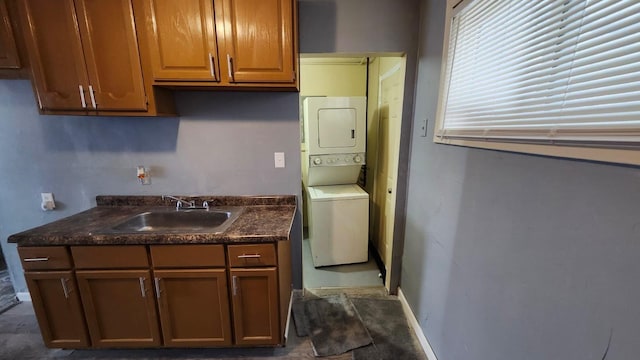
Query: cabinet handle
pixel 251 256
pixel 64 287
pixel 234 281
pixel 142 291
pixel 82 100
pixel 36 259
pixel 157 281
pixel 211 68
pixel 229 67
pixel 93 97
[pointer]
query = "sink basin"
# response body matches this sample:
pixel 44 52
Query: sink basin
pixel 178 221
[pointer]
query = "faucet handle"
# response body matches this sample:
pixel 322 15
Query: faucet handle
pixel 205 204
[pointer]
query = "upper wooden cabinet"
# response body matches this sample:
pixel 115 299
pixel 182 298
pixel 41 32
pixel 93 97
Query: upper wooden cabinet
pixel 229 43
pixel 183 40
pixel 111 54
pixel 9 58
pixel 85 57
pixel 14 62
pixel 258 41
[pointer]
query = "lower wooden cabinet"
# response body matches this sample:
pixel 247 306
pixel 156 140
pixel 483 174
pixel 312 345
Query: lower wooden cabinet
pixel 194 307
pixel 120 308
pixel 57 306
pixel 112 296
pixel 255 306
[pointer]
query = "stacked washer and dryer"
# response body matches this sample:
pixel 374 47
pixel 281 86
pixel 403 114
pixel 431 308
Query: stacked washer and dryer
pixel 338 209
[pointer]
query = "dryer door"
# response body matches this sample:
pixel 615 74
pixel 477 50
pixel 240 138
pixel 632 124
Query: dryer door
pixel 337 128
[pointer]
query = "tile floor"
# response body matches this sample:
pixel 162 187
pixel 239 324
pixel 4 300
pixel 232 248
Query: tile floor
pixel 351 275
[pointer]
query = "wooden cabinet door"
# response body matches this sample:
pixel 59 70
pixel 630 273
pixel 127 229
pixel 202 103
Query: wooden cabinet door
pixel 111 53
pixel 119 307
pixel 9 58
pixel 255 306
pixel 182 40
pixel 55 50
pixel 194 307
pixel 57 306
pixel 258 41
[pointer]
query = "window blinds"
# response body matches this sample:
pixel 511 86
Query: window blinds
pixel 544 70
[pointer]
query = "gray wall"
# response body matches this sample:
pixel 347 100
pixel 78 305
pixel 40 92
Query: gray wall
pixel 358 26
pixel 511 256
pixel 222 143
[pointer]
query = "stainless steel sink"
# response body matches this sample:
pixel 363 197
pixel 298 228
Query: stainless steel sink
pixel 215 220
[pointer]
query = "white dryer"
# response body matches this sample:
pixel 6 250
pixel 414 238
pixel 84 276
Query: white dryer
pixel 338 224
pixel 335 139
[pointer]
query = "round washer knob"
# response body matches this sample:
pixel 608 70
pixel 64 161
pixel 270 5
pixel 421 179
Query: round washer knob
pixel 357 159
pixel 317 161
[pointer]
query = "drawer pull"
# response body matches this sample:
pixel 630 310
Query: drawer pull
pixel 36 259
pixel 250 256
pixel 144 294
pixel 157 281
pixel 211 67
pixel 230 67
pixel 64 287
pixel 234 281
pixel 83 102
pixel 92 96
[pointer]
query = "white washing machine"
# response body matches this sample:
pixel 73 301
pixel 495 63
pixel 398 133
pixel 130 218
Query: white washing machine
pixel 335 139
pixel 338 224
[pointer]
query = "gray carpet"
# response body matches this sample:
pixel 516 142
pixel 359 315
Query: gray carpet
pixel 20 339
pixel 334 325
pixel 382 315
pixel 7 294
pixel 388 326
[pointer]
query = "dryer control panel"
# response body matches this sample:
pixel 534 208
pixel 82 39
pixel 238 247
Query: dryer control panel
pixel 337 160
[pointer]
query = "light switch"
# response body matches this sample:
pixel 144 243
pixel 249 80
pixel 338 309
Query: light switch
pixel 423 127
pixel 278 159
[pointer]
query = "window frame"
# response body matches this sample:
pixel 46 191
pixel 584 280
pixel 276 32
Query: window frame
pixel 584 150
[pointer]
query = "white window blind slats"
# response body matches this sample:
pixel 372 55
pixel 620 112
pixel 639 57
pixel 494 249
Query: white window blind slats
pixel 544 69
pixel 509 45
pixel 606 80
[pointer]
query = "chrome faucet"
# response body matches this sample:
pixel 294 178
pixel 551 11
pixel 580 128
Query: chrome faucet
pixel 179 202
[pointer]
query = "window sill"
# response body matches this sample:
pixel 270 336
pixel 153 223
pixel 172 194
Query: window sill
pixel 619 156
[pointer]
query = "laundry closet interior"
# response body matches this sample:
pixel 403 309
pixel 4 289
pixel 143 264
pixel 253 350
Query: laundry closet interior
pixel 350 116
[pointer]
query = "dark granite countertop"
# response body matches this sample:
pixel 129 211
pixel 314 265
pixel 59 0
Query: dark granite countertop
pixel 262 219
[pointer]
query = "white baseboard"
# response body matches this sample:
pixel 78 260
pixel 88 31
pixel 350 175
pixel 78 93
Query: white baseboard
pixel 413 322
pixel 24 296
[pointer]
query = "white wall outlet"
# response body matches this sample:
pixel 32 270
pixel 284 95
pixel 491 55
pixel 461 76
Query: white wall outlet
pixel 278 159
pixel 48 203
pixel 144 177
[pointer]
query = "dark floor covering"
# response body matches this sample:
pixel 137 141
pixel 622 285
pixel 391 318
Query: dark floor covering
pixel 333 325
pixel 7 294
pixel 20 339
pixel 383 317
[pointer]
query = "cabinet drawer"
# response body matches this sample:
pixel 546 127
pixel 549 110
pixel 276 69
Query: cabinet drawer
pixel 110 257
pixel 252 255
pixel 187 256
pixel 44 258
